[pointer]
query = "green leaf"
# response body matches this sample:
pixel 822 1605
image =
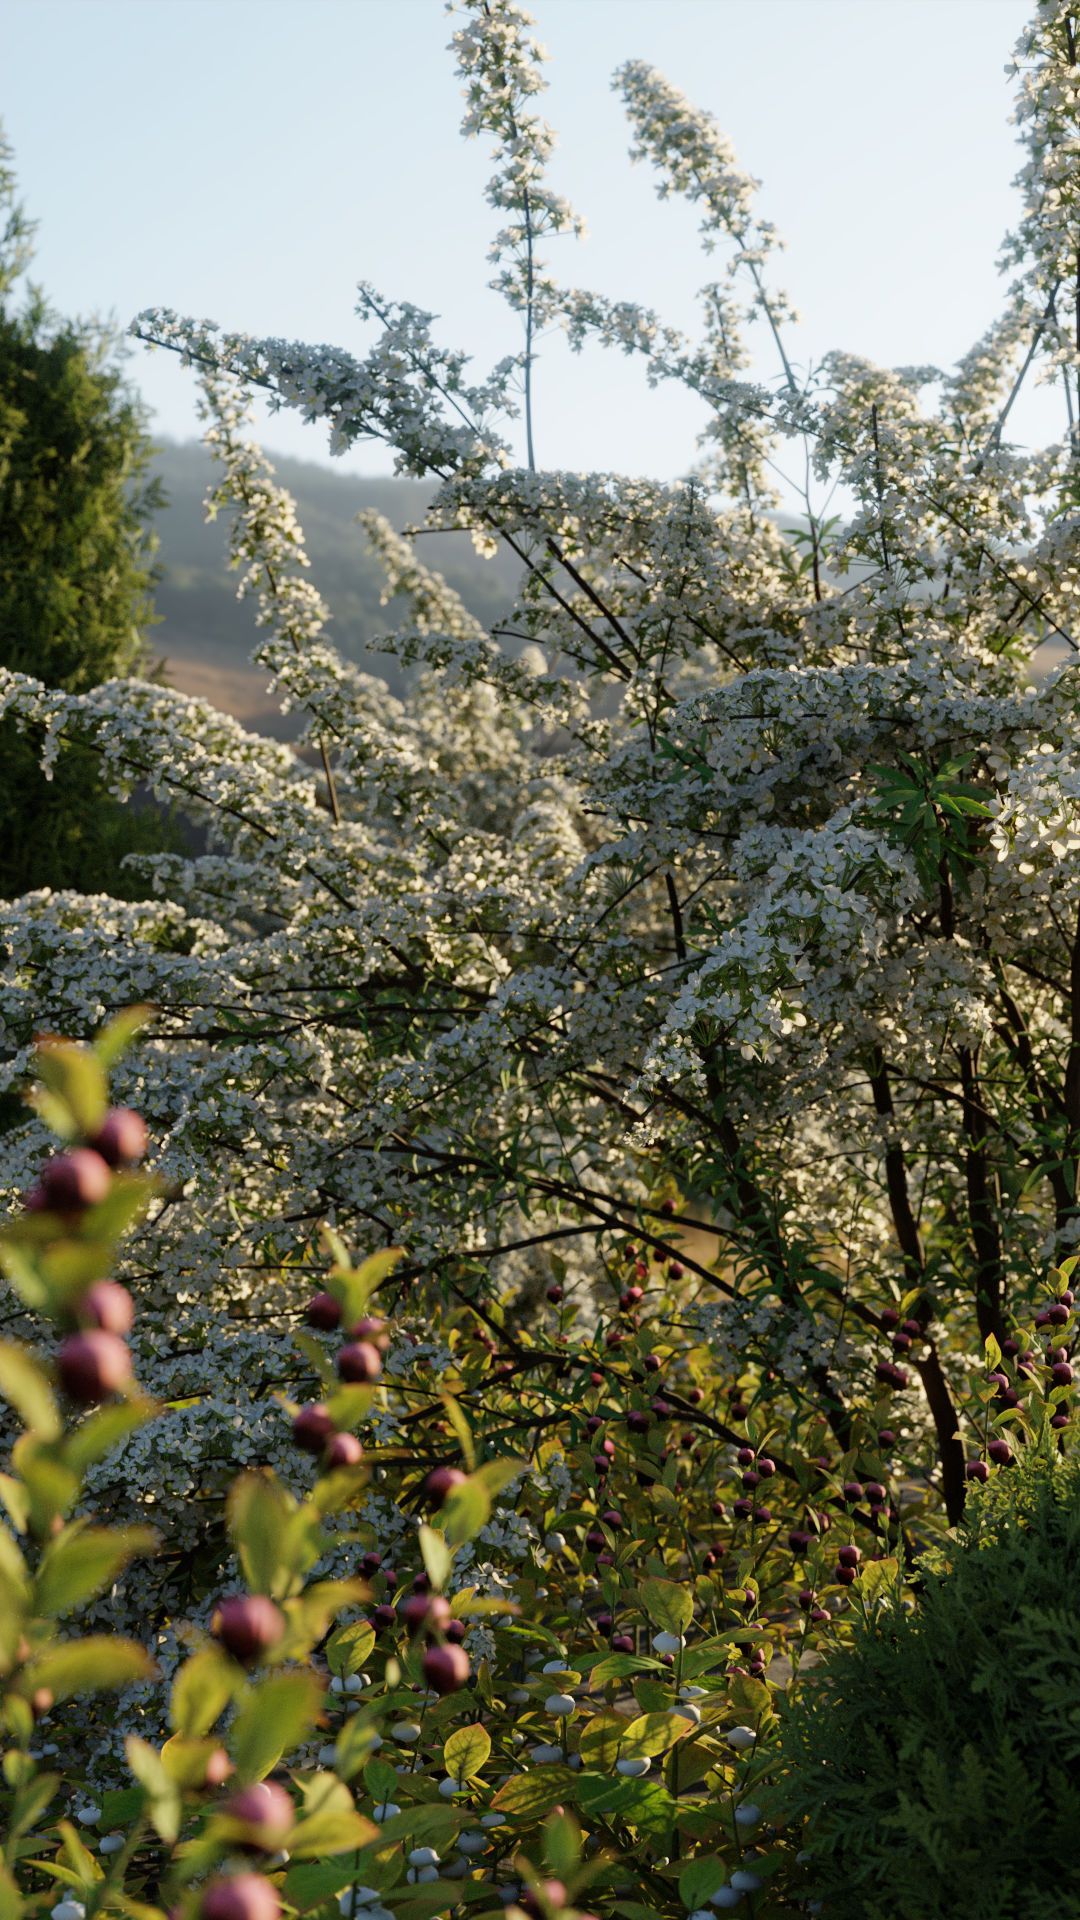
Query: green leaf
pixel 750 1698
pixel 30 1803
pixel 27 1387
pixel 348 1647
pixel 643 1804
pixel 11 1900
pixel 700 1879
pixel 351 1287
pixel 466 1752
pixel 352 1749
pixel 316 1357
pixel 95 1664
pixel 619 1666
pixel 562 1845
pixel 50 1485
pixel 76 1077
pixel 528 1796
pixel 327 1833
pixel 120 1808
pixel 668 1604
pixel 653 1733
pixel 277 1540
pixel 82 1561
pixel 600 1741
pixel 436 1556
pixel 103 1431
pixel 381 1780
pixel 993 1352
pixel 467 1509
pixel 310 1886
pixel 273 1719
pixel 201 1691
pixel 461 1428
pixel 163 1798
pixel 116 1036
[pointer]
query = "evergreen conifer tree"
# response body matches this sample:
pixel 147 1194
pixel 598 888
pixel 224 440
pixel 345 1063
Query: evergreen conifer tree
pixel 76 571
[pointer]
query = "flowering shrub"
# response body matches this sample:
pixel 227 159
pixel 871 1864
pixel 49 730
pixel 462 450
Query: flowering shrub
pixel 691 994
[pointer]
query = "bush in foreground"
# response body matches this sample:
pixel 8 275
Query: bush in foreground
pixel 936 1758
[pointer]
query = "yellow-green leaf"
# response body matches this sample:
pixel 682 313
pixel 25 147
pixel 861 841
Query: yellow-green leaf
pixel 466 1752
pixel 72 1074
pixel 461 1428
pixel 653 1733
pixel 531 1795
pixel 95 1664
pixel 669 1605
pixel 104 1430
pixel 348 1647
pixel 436 1556
pixel 82 1561
pixel 27 1387
pixel 116 1036
pixel 163 1798
pixel 274 1718
pixel 201 1691
pixel 327 1833
pixel 601 1740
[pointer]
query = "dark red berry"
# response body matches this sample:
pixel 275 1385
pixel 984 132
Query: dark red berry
pixel 889 1318
pixel 76 1179
pixel 323 1312
pixel 446 1668
pixel 359 1362
pixel 92 1365
pixel 240 1896
pixel 264 1807
pixel 313 1428
pixel 344 1450
pixel 555 1294
pixel 384 1617
pixel 247 1624
pixel 849 1554
pixel 121 1137
pixel 1000 1452
pixel 977 1470
pixel 108 1305
pixel 441 1482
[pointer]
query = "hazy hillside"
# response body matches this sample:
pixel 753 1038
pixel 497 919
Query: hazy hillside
pixel 206 634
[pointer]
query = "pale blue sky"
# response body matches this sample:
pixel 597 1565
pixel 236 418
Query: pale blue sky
pixel 249 160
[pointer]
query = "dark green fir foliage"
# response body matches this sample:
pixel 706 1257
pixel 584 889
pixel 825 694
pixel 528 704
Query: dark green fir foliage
pixel 936 1762
pixel 76 572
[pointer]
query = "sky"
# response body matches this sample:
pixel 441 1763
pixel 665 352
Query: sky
pixel 249 160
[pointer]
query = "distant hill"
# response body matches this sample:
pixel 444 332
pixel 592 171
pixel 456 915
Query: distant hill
pixel 206 634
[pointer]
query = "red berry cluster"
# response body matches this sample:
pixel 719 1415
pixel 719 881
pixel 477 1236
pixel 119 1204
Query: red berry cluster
pixel 359 1362
pixel 93 1362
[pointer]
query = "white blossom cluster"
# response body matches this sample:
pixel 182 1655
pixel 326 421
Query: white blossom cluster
pixel 636 904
